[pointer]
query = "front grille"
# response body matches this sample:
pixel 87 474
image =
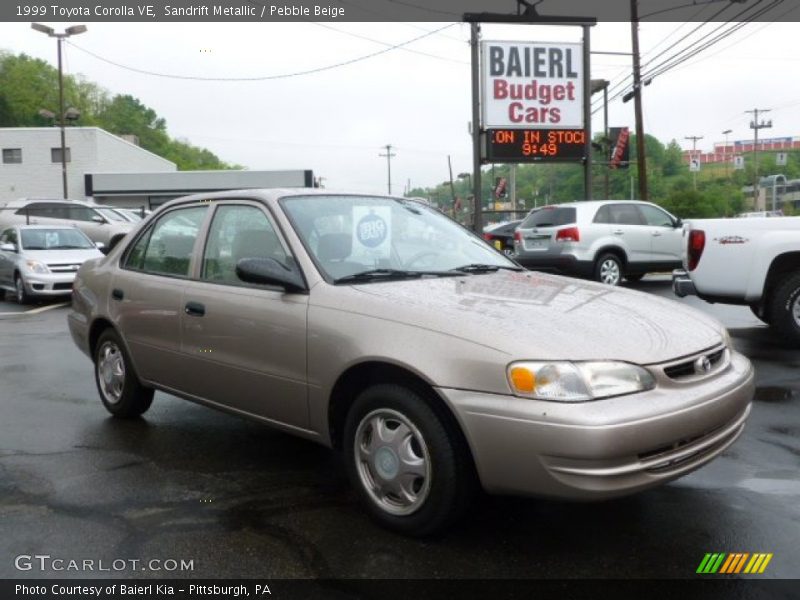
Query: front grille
pixel 687 367
pixel 64 268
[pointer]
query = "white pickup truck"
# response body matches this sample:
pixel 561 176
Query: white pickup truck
pixel 755 262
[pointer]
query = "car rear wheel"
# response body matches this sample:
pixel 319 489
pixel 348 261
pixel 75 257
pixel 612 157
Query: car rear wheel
pixel 411 470
pixel 608 269
pixel 122 393
pixel 21 294
pixel 784 308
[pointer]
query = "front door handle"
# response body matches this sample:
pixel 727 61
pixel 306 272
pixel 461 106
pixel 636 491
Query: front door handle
pixel 195 309
pixel 117 294
pixel 618 232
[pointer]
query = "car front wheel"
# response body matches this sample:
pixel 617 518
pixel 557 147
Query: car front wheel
pixel 411 470
pixel 784 308
pixel 608 269
pixel 122 393
pixel 21 293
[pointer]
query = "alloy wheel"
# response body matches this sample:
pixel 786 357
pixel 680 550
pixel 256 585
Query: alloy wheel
pixel 111 371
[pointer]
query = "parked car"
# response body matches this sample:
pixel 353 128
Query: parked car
pixel 89 218
pixel 766 277
pixel 40 260
pixel 501 235
pixel 380 327
pixel 134 215
pixel 605 240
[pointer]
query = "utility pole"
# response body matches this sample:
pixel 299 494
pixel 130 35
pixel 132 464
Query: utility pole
pixel 389 154
pixel 694 139
pixel 756 125
pixel 452 184
pixel 725 151
pixel 637 101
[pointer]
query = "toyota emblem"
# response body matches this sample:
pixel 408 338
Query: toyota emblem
pixel 702 365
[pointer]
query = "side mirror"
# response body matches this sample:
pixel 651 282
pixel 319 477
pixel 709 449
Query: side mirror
pixel 8 248
pixel 99 245
pixel 678 223
pixel 268 271
pixel 99 219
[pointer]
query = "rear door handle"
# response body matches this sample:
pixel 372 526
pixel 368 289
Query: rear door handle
pixel 618 232
pixel 195 309
pixel 656 234
pixel 117 294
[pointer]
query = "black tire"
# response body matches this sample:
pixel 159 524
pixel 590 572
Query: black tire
pixel 761 315
pixel 442 491
pixel 783 308
pixel 634 277
pixel 21 294
pixel 119 387
pixel 608 269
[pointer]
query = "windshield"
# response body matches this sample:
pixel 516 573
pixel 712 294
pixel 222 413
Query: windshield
pixel 110 214
pixel 348 235
pixel 54 239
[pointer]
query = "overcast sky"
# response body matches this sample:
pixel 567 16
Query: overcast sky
pixel 337 121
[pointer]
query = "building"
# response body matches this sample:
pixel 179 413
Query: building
pixel 30 165
pixel 113 170
pixel 726 152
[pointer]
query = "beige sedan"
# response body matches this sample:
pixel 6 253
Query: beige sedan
pixel 437 366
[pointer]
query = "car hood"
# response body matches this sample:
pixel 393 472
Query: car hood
pixel 539 316
pixel 51 257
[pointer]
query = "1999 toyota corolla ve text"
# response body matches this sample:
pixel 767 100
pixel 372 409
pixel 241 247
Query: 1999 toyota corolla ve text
pixel 380 327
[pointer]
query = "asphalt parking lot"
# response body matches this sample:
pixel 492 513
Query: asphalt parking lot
pixel 240 500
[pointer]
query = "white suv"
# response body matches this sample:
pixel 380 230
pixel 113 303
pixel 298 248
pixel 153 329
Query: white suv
pixel 602 239
pixel 96 223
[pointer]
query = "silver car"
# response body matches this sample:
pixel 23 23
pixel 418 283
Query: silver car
pixel 39 260
pixel 107 227
pixel 605 240
pixel 380 327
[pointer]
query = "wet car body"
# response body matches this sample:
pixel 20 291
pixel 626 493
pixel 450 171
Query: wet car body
pixel 437 356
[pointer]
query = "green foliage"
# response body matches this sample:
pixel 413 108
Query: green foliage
pixel 28 85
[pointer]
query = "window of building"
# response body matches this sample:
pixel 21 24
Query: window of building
pixel 55 155
pixel 12 155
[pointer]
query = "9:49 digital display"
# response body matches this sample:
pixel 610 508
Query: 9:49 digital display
pixel 535 145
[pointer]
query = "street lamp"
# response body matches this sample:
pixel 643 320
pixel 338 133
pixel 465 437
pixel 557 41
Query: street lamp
pixel 60 37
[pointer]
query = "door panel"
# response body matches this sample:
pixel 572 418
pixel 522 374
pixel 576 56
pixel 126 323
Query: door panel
pixel 246 344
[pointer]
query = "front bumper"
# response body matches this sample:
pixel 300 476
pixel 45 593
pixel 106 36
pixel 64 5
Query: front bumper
pixel 682 284
pixel 604 448
pixel 48 284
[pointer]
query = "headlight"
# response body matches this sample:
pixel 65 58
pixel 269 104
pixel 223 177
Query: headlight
pixel 578 381
pixel 34 266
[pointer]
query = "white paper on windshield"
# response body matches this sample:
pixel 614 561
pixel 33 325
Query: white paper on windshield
pixel 372 232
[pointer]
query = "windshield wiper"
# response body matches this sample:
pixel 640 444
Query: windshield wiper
pixel 383 274
pixel 69 247
pixel 481 268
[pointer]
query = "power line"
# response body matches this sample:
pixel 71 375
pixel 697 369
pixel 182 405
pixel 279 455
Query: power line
pixel 369 39
pixel 262 77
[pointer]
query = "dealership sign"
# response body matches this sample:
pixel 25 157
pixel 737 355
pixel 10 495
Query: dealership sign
pixel 532 85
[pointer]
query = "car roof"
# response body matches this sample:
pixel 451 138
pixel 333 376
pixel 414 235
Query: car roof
pixel 24 201
pixel 270 194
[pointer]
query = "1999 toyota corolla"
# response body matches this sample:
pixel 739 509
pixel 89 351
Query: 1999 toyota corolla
pixel 381 328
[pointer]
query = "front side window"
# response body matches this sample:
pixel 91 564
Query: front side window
pixel 237 232
pixel 656 217
pixel 12 156
pixel 81 213
pixel 166 247
pixel 348 235
pixel 9 237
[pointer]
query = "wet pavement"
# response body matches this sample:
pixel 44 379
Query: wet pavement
pixel 240 500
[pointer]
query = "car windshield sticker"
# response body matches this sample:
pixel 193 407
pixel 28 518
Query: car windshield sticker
pixel 372 232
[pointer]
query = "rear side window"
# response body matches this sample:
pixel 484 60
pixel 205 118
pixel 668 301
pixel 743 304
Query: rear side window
pixel 550 217
pixel 626 214
pixel 166 247
pixel 603 215
pixel 49 210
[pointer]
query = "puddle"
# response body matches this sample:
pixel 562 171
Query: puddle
pixel 775 394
